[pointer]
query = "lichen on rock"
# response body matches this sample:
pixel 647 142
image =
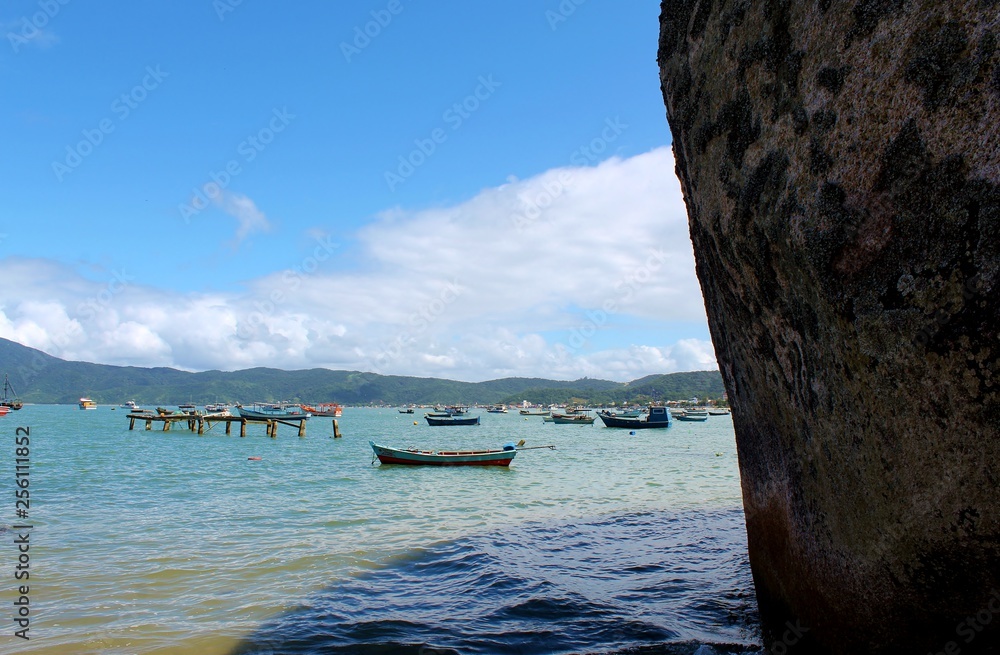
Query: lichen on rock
pixel 840 164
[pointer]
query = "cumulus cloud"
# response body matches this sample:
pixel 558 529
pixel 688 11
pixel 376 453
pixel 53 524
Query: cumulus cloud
pixel 536 277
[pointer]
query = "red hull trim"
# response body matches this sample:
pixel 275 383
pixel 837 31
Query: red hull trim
pixel 388 459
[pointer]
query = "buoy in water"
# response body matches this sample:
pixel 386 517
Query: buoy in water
pixel 632 432
pixel 414 422
pixel 255 459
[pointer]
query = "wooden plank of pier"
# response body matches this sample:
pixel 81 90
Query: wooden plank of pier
pixel 197 422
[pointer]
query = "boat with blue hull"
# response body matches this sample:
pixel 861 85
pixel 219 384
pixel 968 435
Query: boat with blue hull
pixel 451 420
pixel 412 456
pixel 273 411
pixel 657 417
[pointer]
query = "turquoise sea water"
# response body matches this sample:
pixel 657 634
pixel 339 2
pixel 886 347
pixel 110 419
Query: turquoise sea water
pixel 173 542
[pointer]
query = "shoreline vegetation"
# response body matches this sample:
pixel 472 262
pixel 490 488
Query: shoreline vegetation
pixel 44 379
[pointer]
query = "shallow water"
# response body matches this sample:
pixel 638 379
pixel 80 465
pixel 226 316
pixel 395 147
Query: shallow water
pixel 171 542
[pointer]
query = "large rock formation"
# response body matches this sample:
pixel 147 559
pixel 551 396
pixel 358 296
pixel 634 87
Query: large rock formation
pixel 840 163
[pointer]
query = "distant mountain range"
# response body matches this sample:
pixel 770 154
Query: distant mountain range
pixel 41 378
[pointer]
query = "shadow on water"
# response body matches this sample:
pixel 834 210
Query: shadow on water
pixel 638 583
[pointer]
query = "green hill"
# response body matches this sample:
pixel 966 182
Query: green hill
pixel 41 378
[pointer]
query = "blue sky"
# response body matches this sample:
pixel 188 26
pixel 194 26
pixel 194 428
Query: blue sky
pixel 460 190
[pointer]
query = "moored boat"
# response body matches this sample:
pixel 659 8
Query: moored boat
pixel 451 420
pixel 577 410
pixel 412 456
pixel 274 411
pixel 535 412
pixel 324 409
pixel 9 400
pixel 497 409
pixel 658 417
pixel 691 415
pixel 566 419
pixel 87 403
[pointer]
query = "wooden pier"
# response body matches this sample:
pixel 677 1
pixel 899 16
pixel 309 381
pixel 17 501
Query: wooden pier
pixel 198 422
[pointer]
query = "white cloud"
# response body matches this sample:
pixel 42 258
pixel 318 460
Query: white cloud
pixel 26 32
pixel 249 218
pixel 492 287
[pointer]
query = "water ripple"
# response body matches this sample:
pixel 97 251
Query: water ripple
pixel 623 581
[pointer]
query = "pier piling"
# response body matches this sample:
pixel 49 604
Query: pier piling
pixel 197 423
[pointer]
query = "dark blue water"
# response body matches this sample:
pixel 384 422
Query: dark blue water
pixel 648 582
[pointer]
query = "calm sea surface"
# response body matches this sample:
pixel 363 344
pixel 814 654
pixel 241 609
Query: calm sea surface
pixel 171 542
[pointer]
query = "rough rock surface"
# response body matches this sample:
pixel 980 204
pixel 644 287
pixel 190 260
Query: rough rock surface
pixel 840 163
